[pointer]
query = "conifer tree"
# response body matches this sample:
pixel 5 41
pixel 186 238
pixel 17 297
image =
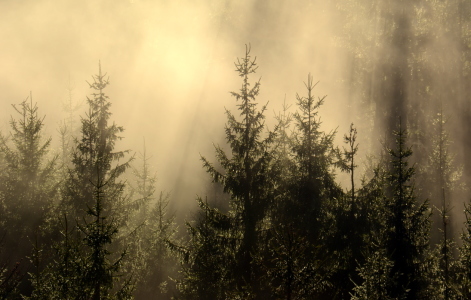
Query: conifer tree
pixel 280 258
pixel 93 199
pixel 100 271
pixel 376 276
pixel 313 190
pixel 245 176
pixel 152 227
pixel 374 279
pixel 64 272
pixel 282 148
pixel 68 128
pixel 314 156
pixel 93 157
pixel 27 186
pixel 350 213
pixel 137 233
pixel 397 260
pixel 28 183
pixel 160 263
pixel 297 259
pixel 283 164
pixel 142 191
pixel 443 185
pixel 349 165
pixel 210 256
pixel 407 224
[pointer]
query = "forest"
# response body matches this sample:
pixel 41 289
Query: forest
pixel 290 206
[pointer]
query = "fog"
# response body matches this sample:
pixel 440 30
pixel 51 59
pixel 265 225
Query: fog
pixel 170 65
pixel 171 72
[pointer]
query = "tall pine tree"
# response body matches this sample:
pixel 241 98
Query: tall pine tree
pixel 314 190
pixel 94 200
pixel 28 185
pixel 407 223
pixel 245 176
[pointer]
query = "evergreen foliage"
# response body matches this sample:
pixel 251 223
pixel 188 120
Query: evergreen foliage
pixel 93 200
pixel 28 185
pixel 246 178
pixel 210 257
pixel 159 274
pixel 288 230
pixel 444 185
pixel 407 223
pixel 299 260
pixel 10 278
pixel 374 279
pixel 464 273
pixel 64 272
pixel 68 128
pixel 350 215
pixel 314 156
pixel 152 227
pixel 93 157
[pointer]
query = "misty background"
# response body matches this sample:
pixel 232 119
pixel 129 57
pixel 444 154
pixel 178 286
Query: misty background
pixel 170 65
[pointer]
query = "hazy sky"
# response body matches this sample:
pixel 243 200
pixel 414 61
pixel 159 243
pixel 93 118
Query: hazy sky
pixel 171 68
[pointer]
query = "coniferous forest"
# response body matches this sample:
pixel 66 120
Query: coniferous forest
pixel 292 207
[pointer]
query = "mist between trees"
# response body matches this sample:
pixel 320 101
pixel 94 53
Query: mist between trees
pixel 277 225
pixel 290 209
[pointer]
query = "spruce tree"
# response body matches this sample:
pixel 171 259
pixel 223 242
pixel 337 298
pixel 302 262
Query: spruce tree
pixel 28 185
pixel 245 176
pixel 94 202
pixel 246 171
pixel 314 190
pixel 93 158
pixel 64 272
pixel 68 128
pixel 376 276
pixel 350 213
pixel 150 230
pixel 160 263
pixel 407 223
pixel 282 145
pixel 298 260
pixel 143 189
pixel 137 234
pixel 443 184
pixel 280 258
pixel 374 279
pixel 209 259
pixel 100 271
pixel 314 158
pixel 348 164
